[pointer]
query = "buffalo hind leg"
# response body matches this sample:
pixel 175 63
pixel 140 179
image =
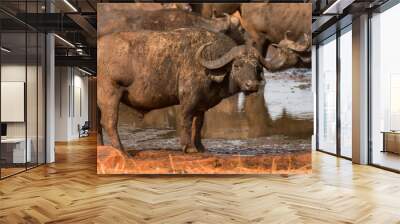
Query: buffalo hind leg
pixel 108 101
pixel 198 121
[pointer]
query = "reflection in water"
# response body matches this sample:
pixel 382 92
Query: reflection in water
pixel 284 107
pixel 289 91
pixel 241 100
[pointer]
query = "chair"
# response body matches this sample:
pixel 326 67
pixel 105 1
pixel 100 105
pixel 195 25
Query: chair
pixel 84 130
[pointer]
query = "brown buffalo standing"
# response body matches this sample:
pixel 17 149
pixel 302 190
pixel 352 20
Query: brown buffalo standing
pixel 194 68
pixel 164 19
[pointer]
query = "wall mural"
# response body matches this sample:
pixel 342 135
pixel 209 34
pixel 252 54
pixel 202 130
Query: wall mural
pixel 204 88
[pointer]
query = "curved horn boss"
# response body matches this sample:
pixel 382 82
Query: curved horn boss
pixel 275 59
pixel 298 46
pixel 219 62
pixel 272 63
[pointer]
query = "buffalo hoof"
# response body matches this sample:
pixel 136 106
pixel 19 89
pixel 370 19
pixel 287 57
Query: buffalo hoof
pixel 130 153
pixel 187 149
pixel 200 148
pixel 191 150
pixel 127 154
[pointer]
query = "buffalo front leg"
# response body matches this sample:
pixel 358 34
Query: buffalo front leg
pixel 186 133
pixel 108 101
pixel 100 139
pixel 198 121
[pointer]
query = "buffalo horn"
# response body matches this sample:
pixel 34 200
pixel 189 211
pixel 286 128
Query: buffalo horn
pixel 217 78
pixel 305 59
pixel 273 64
pixel 219 62
pixel 299 46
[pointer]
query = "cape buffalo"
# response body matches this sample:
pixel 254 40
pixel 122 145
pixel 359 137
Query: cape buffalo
pixel 163 20
pixel 149 6
pixel 281 30
pixel 289 53
pixel 194 68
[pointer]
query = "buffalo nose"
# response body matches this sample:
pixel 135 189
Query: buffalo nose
pixel 251 83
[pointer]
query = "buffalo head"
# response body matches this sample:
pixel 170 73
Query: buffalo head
pixel 289 53
pixel 246 67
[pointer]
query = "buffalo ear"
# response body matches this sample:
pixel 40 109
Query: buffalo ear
pixel 217 78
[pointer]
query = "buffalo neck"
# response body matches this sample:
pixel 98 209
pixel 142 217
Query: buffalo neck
pixel 228 87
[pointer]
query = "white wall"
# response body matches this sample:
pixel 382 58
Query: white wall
pixel 71 94
pixel 13 101
pixel 61 103
pixel 80 102
pixel 33 127
pixel 16 73
pixel 11 73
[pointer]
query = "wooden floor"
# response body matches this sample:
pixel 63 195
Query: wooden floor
pixel 70 191
pixel 5 172
pixel 387 159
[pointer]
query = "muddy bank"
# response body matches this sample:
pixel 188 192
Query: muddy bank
pixel 157 139
pixel 112 161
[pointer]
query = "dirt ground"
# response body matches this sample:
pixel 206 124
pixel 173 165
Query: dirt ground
pixel 113 161
pixel 157 151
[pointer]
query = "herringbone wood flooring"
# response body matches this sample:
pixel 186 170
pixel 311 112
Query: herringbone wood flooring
pixel 70 191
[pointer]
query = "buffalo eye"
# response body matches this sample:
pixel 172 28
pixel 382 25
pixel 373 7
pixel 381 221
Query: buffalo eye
pixel 260 73
pixel 259 69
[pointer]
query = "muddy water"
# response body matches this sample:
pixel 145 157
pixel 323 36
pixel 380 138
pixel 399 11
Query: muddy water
pixel 276 119
pixel 158 139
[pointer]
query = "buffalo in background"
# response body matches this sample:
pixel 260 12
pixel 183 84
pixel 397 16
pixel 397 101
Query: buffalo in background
pixel 279 30
pixel 163 20
pixel 133 17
